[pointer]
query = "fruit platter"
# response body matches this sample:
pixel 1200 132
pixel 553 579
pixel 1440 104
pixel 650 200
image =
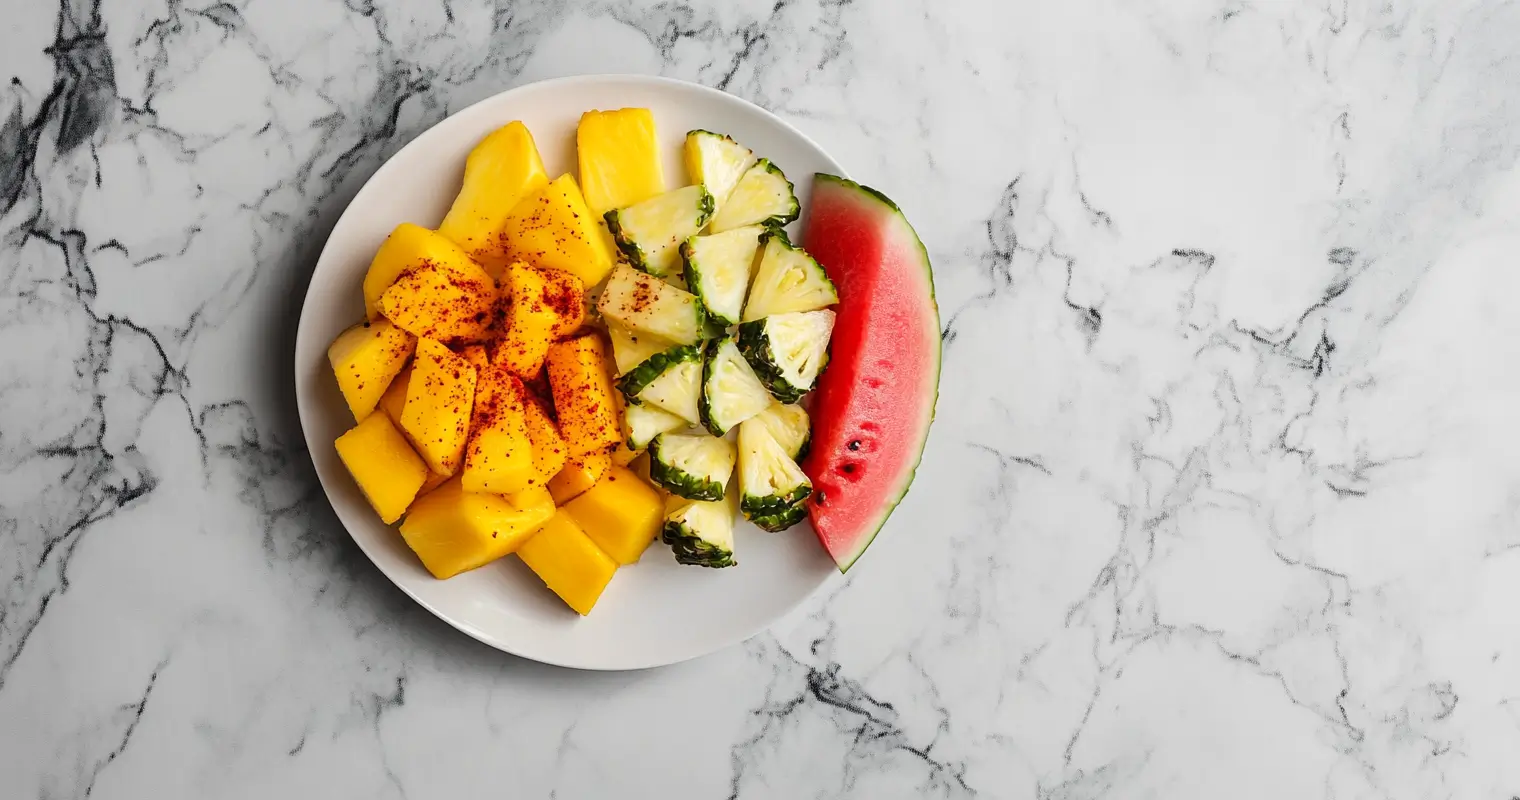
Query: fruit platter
pixel 617 356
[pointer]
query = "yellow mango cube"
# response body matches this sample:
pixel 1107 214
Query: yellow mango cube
pixel 580 377
pixel 393 402
pixel 577 476
pixel 439 399
pixel 568 562
pixel 388 471
pixel 436 302
pixel 619 158
pixel 499 456
pixel 621 513
pixel 550 451
pixel 434 480
pixel 365 359
pixel 407 248
pixel 452 530
pixel 552 228
pixel 546 305
pixel 502 169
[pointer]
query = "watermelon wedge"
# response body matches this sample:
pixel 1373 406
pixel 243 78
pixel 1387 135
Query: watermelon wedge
pixel 875 400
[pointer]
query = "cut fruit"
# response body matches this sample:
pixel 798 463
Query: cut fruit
pixel 642 423
pixel 453 531
pixel 787 280
pixel 550 450
pixel 670 380
pixel 717 162
pixel 500 171
pixel 552 228
pixel 388 471
pixel 875 402
pixel 772 487
pixel 499 455
pixel 407 248
pixel 789 426
pixel 763 197
pixel 717 270
pixel 439 399
pixel 731 392
pixel 650 233
pixel 788 351
pixel 619 155
pixel 568 562
pixel 546 305
pixel 443 303
pixel 646 304
pixel 701 534
pixel 631 348
pixel 366 359
pixel 393 402
pixel 580 378
pixel 622 514
pixel 578 476
pixel 693 466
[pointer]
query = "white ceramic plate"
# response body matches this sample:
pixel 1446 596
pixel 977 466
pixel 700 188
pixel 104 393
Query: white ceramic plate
pixel 654 612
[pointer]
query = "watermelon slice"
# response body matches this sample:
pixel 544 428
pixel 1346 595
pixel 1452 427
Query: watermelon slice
pixel 874 402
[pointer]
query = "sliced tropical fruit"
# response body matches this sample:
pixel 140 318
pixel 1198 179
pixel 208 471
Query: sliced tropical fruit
pixel 500 171
pixel 716 161
pixel 731 392
pixel 717 270
pixel 763 197
pixel 875 402
pixel 650 233
pixel 788 350
pixel 646 304
pixel 619 156
pixel 787 280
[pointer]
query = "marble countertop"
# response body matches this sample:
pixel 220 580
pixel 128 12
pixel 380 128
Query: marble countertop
pixel 1222 500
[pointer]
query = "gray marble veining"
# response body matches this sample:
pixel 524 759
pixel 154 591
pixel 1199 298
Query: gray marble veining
pixel 1222 499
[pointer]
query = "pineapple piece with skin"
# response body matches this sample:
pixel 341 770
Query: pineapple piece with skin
pixel 442 303
pixel 389 473
pixel 581 381
pixel 366 359
pixel 568 562
pixel 407 248
pixel 439 401
pixel 552 228
pixel 452 530
pixel 546 305
pixel 500 171
pixel 621 513
pixel 619 155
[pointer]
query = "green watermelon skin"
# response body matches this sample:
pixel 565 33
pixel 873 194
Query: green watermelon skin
pixel 875 401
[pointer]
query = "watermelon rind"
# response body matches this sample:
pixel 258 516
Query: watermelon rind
pixel 891 214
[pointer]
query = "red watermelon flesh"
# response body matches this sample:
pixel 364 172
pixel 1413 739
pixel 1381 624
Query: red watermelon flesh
pixel 874 403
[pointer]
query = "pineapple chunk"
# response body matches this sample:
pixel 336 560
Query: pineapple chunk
pixel 621 513
pixel 407 248
pixel 388 471
pixel 546 305
pixel 453 530
pixel 619 158
pixel 716 161
pixel 553 229
pixel 577 476
pixel 499 457
pixel 568 562
pixel 550 452
pixel 582 385
pixel 366 359
pixel 442 303
pixel 439 399
pixel 502 169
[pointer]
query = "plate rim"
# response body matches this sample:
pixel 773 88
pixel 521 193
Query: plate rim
pixel 831 579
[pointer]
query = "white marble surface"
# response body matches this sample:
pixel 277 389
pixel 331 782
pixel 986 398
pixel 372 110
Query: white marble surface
pixel 1222 500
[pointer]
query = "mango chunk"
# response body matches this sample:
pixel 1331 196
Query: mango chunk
pixel 621 513
pixel 444 303
pixel 619 156
pixel 502 169
pixel 407 248
pixel 550 451
pixel 393 402
pixel 580 379
pixel 577 476
pixel 552 228
pixel 499 457
pixel 545 305
pixel 388 471
pixel 452 530
pixel 568 562
pixel 439 399
pixel 365 359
